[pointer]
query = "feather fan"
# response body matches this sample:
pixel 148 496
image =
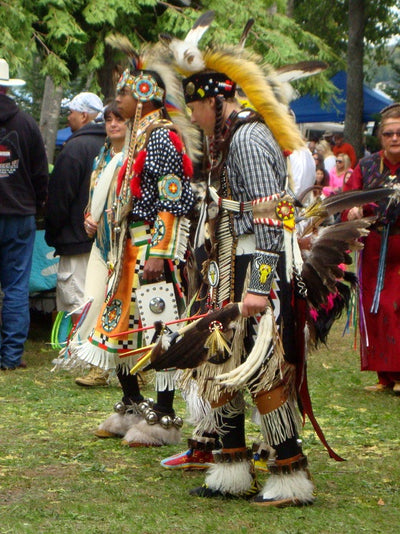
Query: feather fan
pixel 189 350
pixel 329 249
pixel 322 208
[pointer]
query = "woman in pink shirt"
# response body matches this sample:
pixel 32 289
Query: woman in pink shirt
pixel 338 175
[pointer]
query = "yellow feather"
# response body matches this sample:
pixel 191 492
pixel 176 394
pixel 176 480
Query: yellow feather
pixel 242 68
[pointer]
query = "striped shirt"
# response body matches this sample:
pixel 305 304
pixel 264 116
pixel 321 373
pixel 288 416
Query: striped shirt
pixel 256 168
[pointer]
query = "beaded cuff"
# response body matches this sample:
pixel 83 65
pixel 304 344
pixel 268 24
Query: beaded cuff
pixel 208 445
pixel 285 469
pixel 232 457
pixel 262 272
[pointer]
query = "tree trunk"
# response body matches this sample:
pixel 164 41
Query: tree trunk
pixel 108 75
pixel 290 9
pixel 353 131
pixel 49 115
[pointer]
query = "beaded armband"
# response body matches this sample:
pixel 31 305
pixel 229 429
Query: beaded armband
pixel 262 272
pixel 275 210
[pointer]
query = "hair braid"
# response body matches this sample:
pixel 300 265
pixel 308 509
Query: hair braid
pixel 218 126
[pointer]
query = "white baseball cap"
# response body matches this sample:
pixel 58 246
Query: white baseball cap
pixel 5 79
pixel 86 102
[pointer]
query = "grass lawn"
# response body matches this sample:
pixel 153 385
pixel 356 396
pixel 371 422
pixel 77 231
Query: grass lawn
pixel 57 477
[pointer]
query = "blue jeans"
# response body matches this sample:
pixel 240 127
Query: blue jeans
pixel 17 236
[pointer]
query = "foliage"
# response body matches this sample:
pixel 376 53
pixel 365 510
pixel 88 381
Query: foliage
pixel 329 21
pixel 69 35
pixel 278 39
pixel 390 74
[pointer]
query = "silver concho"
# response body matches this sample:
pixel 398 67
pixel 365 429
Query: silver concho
pixel 157 305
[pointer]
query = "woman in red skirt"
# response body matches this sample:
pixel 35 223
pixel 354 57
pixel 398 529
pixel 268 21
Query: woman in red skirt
pixel 380 259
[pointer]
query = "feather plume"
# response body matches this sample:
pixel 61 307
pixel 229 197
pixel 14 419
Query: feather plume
pixel 156 58
pixel 322 320
pixel 122 43
pixel 243 68
pixel 192 348
pixel 245 34
pixel 187 54
pixel 302 69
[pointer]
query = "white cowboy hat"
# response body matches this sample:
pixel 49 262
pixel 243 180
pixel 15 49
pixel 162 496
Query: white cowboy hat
pixel 5 79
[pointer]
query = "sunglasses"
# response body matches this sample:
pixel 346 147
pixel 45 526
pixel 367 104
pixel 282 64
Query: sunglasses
pixel 339 161
pixel 389 135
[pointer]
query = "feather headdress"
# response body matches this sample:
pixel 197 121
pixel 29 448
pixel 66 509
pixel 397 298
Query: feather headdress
pixel 237 67
pixel 187 54
pixel 261 85
pixel 154 59
pixel 243 68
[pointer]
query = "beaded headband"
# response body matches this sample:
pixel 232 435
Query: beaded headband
pixel 207 84
pixel 142 84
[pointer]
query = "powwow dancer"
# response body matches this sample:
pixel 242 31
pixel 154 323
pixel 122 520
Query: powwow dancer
pixel 149 239
pixel 253 257
pixel 246 160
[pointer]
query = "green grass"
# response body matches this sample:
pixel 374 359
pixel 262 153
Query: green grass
pixel 56 477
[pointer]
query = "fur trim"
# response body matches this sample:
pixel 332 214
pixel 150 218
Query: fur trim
pixel 139 162
pixel 135 186
pixel 152 435
pixel 119 423
pixel 176 141
pixel 197 408
pixel 234 478
pixel 187 166
pixel 296 486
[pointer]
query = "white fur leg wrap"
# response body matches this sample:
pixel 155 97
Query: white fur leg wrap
pixel 234 478
pixel 296 486
pixel 119 423
pixel 154 435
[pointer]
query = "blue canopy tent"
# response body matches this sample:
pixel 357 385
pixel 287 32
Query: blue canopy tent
pixel 309 109
pixel 62 136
